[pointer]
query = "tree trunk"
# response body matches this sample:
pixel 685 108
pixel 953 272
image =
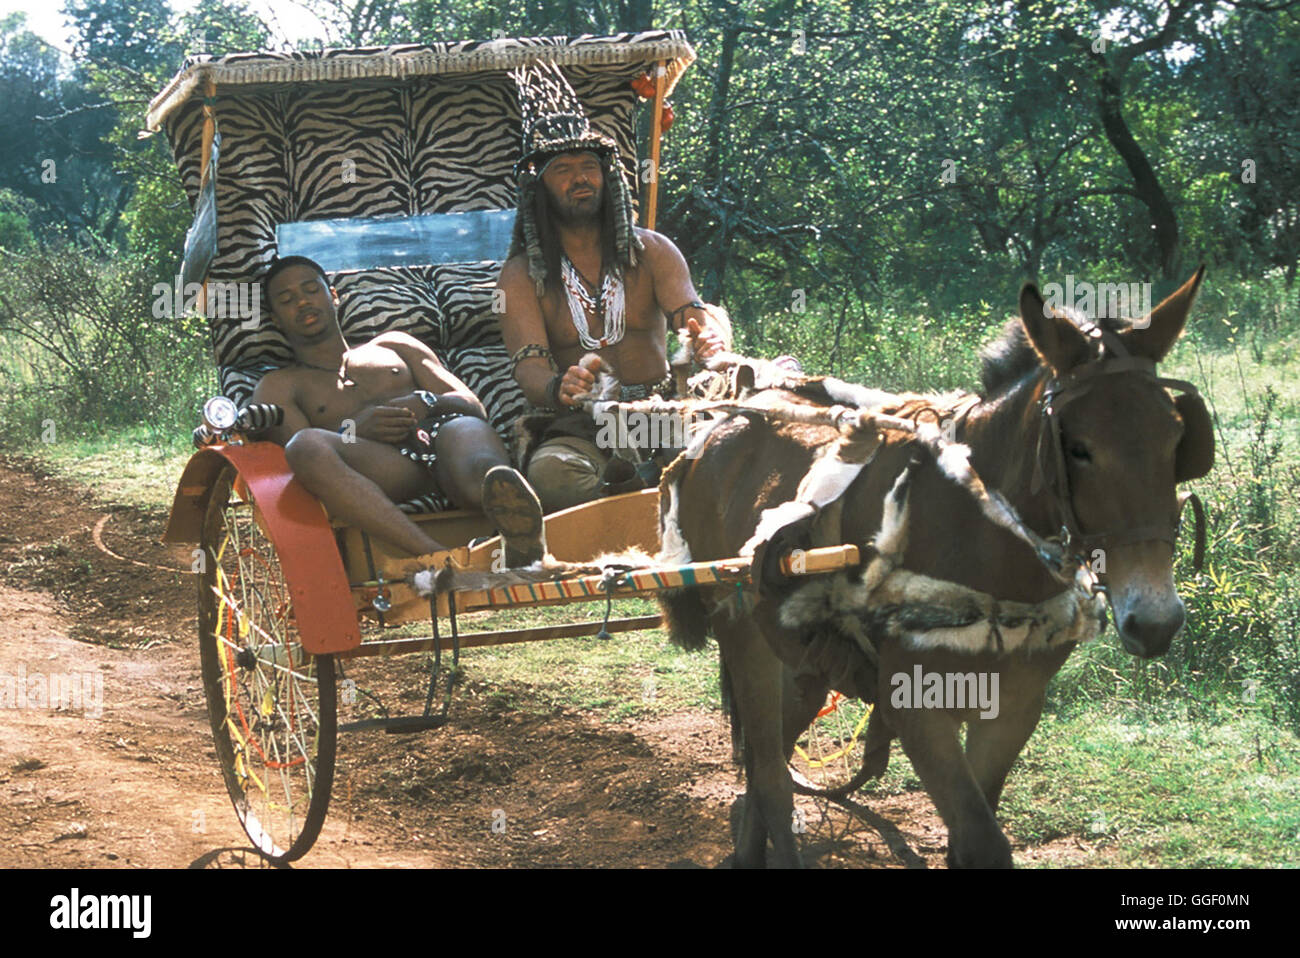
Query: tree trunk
pixel 715 275
pixel 1145 181
pixel 718 104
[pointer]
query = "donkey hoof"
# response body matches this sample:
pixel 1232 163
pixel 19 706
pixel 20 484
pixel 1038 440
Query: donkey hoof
pixel 989 853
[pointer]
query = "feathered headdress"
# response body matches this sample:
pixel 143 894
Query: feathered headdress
pixel 555 122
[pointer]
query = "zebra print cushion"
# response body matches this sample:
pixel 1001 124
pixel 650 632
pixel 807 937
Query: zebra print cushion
pixel 480 369
pixel 238 382
pixel 465 293
pixel 402 299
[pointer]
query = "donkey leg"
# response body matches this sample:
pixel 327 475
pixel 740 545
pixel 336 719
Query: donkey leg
pixel 930 740
pixel 992 746
pixel 769 793
pixel 801 701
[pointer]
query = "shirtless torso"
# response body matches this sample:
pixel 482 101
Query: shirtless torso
pixel 375 374
pixel 350 417
pixel 659 284
pixel 641 355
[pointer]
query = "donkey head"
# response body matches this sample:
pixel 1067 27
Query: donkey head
pixel 1124 444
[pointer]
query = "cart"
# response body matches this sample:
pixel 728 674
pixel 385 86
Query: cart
pixel 392 168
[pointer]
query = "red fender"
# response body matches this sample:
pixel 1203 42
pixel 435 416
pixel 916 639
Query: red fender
pixel 296 524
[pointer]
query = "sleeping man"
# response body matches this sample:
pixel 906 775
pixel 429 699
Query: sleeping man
pixel 376 424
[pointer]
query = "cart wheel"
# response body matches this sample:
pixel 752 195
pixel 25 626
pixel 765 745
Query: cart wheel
pixel 272 706
pixel 828 757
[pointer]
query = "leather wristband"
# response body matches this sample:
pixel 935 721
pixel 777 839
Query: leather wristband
pixel 553 392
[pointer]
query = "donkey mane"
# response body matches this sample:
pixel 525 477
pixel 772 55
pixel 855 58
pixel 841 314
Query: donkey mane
pixel 1011 357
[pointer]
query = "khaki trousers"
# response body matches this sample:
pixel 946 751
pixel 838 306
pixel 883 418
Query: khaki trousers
pixel 566 471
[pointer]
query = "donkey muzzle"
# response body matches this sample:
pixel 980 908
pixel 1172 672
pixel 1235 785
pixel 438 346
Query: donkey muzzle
pixel 1148 633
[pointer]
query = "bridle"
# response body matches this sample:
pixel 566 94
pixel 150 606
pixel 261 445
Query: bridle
pixel 1049 465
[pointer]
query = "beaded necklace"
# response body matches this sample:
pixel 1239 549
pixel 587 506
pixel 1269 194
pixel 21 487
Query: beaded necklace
pixel 610 309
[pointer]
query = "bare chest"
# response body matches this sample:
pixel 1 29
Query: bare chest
pixel 371 375
pixel 639 344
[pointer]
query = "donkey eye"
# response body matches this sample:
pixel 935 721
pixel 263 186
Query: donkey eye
pixel 1079 451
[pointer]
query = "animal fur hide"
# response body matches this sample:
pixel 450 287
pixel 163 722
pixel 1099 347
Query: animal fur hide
pixel 449 578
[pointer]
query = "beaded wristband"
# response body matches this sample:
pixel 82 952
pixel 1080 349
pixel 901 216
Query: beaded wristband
pixel 531 351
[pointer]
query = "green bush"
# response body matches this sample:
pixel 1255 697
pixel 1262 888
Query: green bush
pixel 81 348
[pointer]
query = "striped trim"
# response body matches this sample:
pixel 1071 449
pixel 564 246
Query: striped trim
pixel 410 60
pixel 630 583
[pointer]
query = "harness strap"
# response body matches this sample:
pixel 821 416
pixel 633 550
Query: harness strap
pixel 1198 516
pixel 1050 451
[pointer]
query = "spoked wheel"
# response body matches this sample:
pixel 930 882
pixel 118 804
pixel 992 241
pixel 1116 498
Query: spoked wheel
pixel 271 704
pixel 828 757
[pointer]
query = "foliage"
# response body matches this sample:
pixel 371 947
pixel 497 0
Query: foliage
pixel 94 355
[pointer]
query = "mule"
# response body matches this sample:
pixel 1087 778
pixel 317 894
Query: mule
pixel 1104 463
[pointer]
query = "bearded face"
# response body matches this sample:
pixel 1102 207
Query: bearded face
pixel 575 187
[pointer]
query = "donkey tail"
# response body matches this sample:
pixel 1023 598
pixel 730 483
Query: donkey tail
pixel 686 617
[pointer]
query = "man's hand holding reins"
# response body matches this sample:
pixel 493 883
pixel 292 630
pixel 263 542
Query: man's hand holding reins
pixel 579 380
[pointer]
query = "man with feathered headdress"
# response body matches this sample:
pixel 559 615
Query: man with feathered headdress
pixel 586 291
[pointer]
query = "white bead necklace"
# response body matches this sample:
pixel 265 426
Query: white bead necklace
pixel 610 308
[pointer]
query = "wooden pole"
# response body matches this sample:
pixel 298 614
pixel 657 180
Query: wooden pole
pixel 209 130
pixel 478 639
pixel 656 133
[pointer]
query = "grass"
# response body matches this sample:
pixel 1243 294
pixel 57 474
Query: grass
pixel 632 675
pixel 1161 794
pixel 123 467
pixel 1234 381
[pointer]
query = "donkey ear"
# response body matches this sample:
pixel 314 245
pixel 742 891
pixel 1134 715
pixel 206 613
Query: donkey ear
pixel 1152 335
pixel 1054 337
pixel 1195 455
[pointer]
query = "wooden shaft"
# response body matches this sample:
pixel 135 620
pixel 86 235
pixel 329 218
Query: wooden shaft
pixel 816 561
pixel 478 639
pixel 656 133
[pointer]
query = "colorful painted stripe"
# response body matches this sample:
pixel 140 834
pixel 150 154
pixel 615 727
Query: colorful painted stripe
pixel 640 581
pixel 591 586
